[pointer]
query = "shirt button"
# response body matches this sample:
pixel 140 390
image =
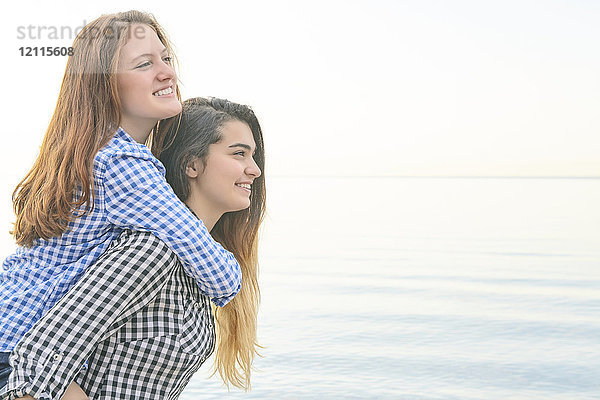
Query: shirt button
pixel 57 357
pixel 196 305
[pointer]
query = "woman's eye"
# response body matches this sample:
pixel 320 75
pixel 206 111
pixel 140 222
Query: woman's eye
pixel 168 59
pixel 239 153
pixel 144 64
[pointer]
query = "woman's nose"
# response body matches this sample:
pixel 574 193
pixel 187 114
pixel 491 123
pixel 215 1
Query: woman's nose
pixel 253 169
pixel 166 72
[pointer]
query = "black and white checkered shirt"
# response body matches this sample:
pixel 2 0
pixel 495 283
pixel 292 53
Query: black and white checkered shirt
pixel 140 322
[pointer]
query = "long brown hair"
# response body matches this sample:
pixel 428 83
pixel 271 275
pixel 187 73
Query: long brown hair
pixel 60 185
pixel 187 136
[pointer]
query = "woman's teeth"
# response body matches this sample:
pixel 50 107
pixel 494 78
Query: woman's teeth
pixel 243 185
pixel 168 90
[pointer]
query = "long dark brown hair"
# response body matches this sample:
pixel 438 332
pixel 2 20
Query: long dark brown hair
pixel 187 136
pixel 60 185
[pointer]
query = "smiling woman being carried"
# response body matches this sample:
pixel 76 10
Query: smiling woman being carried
pixel 92 183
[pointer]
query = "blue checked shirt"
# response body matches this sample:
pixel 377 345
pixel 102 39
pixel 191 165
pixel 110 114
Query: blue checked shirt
pixel 130 193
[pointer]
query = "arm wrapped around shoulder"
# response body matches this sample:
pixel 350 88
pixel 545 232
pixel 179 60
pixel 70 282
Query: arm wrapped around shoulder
pixel 138 197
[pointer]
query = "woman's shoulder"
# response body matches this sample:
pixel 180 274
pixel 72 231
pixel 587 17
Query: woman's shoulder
pixel 122 147
pixel 121 144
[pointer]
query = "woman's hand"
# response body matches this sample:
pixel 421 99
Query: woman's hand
pixel 74 392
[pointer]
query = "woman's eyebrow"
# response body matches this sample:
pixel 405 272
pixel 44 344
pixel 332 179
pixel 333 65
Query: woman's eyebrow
pixel 164 50
pixel 243 145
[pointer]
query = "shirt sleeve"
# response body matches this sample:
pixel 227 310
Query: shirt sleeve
pixel 138 197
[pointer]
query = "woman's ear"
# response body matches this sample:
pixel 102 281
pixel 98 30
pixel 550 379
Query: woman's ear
pixel 193 168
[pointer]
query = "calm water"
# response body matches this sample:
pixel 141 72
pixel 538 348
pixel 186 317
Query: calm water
pixel 411 288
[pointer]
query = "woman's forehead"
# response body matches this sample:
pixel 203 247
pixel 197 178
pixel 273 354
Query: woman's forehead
pixel 237 131
pixel 141 40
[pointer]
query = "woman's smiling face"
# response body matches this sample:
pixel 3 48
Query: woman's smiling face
pixel 146 80
pixel 225 183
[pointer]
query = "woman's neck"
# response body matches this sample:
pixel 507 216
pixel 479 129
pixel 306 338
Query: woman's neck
pixel 139 131
pixel 208 215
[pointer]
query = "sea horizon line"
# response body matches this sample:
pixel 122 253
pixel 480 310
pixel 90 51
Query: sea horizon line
pixel 583 177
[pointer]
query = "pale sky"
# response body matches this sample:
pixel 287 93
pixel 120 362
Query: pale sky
pixel 362 87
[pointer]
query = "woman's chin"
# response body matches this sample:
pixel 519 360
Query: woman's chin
pixel 240 207
pixel 172 111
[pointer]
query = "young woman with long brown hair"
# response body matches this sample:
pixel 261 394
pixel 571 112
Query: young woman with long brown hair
pixel 93 182
pixel 214 155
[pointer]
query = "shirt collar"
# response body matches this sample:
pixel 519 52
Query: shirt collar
pixel 121 134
